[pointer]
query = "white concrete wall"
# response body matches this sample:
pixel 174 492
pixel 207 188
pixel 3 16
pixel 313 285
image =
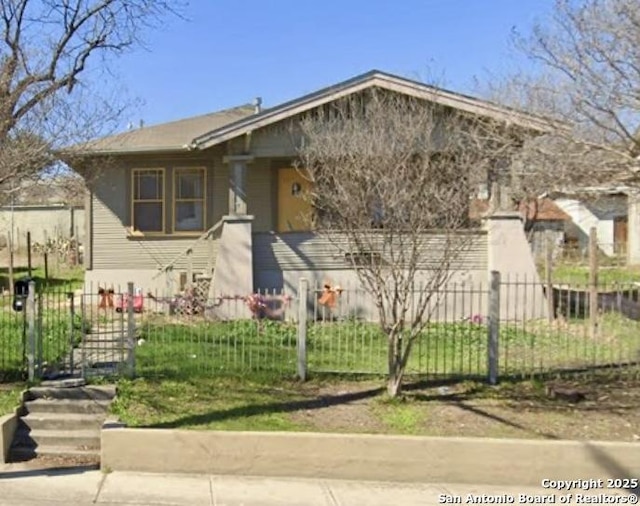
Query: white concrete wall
pixel 584 219
pixel 44 222
pixel 633 239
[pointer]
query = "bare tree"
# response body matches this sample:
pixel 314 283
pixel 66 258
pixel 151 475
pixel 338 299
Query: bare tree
pixel 392 179
pixel 586 76
pixel 47 101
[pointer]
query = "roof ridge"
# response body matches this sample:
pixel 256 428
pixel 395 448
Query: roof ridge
pixel 197 116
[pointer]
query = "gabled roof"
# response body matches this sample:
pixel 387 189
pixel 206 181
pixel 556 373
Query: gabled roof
pixel 203 132
pixel 172 136
pixel 374 78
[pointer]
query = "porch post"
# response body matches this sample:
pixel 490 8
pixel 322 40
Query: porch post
pixel 238 183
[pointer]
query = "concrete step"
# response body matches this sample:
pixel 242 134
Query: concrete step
pixel 64 383
pixel 73 439
pixel 22 453
pixel 66 406
pixel 63 421
pixel 105 393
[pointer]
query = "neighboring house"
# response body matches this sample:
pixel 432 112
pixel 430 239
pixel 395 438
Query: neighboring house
pixel 543 220
pixel 214 196
pixel 605 208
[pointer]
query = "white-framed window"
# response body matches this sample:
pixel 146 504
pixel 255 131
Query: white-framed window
pixel 189 202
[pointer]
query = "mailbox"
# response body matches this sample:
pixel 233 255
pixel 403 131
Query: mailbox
pixel 20 293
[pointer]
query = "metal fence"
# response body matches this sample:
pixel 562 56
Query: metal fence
pixel 507 327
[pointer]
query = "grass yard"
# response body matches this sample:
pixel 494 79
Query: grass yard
pixel 578 275
pixel 611 410
pixel 173 349
pixel 55 344
pixel 10 397
pixel 62 279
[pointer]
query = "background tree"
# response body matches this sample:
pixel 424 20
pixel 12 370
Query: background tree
pixel 392 179
pixel 46 95
pixel 585 78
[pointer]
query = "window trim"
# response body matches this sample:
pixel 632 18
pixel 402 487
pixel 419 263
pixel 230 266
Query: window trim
pixel 175 200
pixel 162 172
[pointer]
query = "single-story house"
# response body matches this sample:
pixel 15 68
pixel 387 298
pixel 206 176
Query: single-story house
pixel 212 197
pixel 605 208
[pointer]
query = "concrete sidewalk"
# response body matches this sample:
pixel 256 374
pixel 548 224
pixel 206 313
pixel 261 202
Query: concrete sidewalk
pixel 21 486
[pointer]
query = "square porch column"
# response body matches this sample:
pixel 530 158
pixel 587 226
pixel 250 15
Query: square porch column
pixel 238 183
pixel 509 253
pixel 233 272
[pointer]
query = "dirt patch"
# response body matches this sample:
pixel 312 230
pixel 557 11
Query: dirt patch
pixel 601 411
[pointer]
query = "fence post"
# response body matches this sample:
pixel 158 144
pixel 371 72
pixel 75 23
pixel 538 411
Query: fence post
pixel 31 331
pixel 189 283
pixel 593 282
pixel 303 289
pixel 131 330
pixel 494 326
pixel 72 316
pixel 548 270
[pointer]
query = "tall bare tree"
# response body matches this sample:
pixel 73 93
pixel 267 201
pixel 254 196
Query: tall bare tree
pixel 586 75
pixel 392 179
pixel 46 49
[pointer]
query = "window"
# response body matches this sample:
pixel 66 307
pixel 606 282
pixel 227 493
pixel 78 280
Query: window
pixel 188 200
pixel 148 200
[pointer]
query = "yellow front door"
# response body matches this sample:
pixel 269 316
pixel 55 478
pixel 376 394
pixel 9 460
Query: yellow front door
pixel 294 205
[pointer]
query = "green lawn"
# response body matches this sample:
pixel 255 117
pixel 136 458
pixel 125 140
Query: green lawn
pixel 575 274
pixel 179 350
pixel 10 397
pixel 207 403
pixel 53 326
pixel 513 409
pixel 63 279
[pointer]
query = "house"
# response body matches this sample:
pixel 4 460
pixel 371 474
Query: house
pixel 213 198
pixel 605 208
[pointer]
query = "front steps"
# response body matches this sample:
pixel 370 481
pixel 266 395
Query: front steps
pixel 62 421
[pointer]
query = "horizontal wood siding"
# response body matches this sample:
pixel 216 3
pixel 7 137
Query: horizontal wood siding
pixel 275 141
pixel 112 249
pixel 305 250
pixel 260 198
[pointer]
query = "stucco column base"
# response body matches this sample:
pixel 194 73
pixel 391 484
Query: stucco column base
pixel 233 273
pixel 633 227
pixel 521 295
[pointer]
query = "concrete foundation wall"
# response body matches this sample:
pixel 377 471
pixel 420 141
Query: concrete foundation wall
pixel 8 425
pixel 365 457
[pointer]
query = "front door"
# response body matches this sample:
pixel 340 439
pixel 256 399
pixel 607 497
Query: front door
pixel 294 206
pixel 620 227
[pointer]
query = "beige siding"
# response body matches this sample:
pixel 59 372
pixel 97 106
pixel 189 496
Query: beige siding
pixel 112 249
pixel 219 192
pixel 275 141
pixel 303 251
pixel 260 194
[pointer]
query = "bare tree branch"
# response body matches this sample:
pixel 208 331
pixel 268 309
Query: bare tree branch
pixel 45 48
pixel 392 179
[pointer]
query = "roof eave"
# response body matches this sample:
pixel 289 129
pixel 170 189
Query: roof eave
pixel 129 151
pixel 443 97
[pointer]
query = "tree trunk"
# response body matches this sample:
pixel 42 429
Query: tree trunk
pixel 394 382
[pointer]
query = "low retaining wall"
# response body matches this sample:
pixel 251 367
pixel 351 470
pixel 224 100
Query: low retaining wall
pixel 8 425
pixel 365 457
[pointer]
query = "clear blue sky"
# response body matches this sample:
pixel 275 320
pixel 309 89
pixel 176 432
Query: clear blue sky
pixel 229 51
